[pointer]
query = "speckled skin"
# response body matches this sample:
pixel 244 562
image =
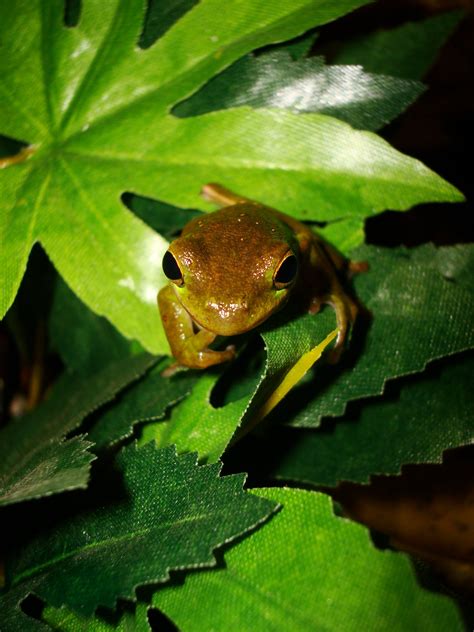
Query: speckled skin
pixel 228 260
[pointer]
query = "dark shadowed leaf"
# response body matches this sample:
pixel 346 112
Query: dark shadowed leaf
pixel 171 514
pixel 34 459
pixel 431 414
pixel 419 313
pixel 406 51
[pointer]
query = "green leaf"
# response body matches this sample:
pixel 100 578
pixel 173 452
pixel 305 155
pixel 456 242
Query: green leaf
pixel 86 342
pixel 419 313
pixel 95 110
pixel 34 459
pixel 275 80
pixel 406 51
pixel 301 572
pixel 430 415
pixel 170 514
pixel 196 424
pixel 146 400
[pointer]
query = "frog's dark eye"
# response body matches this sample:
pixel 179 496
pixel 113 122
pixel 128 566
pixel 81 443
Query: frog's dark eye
pixel 286 272
pixel 171 269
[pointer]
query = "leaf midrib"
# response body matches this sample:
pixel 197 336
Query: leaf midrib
pixel 78 552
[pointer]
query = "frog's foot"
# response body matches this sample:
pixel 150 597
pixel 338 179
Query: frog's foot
pixel 346 313
pixel 203 360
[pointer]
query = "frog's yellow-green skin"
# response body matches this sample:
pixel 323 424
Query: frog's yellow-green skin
pixel 227 282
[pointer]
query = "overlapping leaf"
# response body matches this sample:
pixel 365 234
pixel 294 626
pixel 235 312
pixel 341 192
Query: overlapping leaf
pixel 171 514
pixel 419 313
pixel 95 109
pixel 366 101
pixel 34 458
pixel 196 424
pixel 430 415
pixel 306 570
pixel 147 400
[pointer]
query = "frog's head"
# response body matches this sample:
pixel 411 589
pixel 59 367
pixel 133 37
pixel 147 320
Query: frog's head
pixel 232 270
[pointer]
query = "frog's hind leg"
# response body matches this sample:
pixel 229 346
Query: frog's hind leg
pixel 218 194
pixel 346 313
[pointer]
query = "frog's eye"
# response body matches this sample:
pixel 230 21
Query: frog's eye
pixel 286 272
pixel 171 269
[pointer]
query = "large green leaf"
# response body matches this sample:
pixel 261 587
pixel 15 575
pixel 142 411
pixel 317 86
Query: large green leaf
pixel 95 109
pixel 420 312
pixel 169 514
pixel 307 570
pixel 34 458
pixel 430 415
pixel 366 101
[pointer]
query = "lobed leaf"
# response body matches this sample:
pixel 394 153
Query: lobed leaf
pixel 82 104
pixel 86 342
pixel 168 513
pixel 430 415
pixel 300 573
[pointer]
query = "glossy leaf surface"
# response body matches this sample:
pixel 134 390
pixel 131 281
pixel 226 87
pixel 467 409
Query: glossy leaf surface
pixel 274 80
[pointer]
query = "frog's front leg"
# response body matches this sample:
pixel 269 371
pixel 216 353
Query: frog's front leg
pixel 190 348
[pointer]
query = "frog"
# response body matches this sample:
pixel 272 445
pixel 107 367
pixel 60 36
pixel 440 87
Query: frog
pixel 231 269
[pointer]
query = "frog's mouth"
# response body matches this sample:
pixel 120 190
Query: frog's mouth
pixel 231 319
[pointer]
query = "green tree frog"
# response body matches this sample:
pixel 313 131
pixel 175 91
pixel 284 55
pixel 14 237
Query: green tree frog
pixel 231 269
